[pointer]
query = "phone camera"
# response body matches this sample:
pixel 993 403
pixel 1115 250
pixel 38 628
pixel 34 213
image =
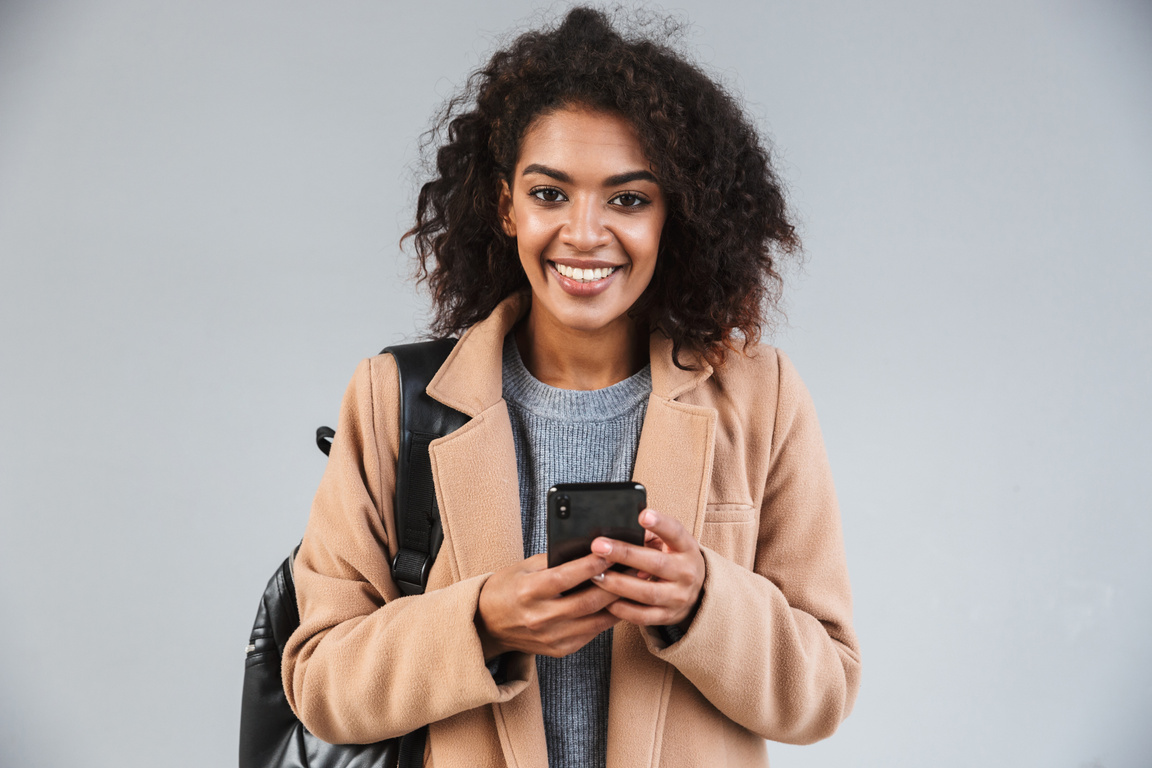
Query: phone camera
pixel 563 507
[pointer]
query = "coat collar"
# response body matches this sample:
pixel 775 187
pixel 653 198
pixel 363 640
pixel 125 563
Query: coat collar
pixel 471 378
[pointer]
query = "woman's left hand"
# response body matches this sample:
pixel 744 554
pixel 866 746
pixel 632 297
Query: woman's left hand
pixel 669 573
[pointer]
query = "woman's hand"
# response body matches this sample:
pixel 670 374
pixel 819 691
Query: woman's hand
pixel 522 607
pixel 665 589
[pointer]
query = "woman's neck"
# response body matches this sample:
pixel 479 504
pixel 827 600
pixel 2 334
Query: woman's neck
pixel 566 358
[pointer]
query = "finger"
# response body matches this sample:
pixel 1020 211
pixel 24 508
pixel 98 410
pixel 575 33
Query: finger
pixel 582 602
pixel 536 563
pixel 676 536
pixel 663 565
pixel 641 615
pixel 553 581
pixel 636 590
pixel 593 624
pixel 652 541
pixel 572 635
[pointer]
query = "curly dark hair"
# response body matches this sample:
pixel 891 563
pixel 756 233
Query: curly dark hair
pixel 716 279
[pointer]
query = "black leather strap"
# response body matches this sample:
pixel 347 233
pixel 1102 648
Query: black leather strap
pixel 324 437
pixel 418 530
pixel 412 748
pixel 271 736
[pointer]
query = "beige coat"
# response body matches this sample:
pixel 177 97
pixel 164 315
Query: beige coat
pixel 735 454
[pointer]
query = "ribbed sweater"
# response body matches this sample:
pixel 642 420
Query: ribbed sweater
pixel 571 436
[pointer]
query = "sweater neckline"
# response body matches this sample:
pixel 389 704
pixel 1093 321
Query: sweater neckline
pixel 526 391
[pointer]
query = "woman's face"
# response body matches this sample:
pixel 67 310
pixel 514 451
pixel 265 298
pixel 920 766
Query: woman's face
pixel 586 212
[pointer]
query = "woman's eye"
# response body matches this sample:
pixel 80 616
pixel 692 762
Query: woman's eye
pixel 547 194
pixel 628 200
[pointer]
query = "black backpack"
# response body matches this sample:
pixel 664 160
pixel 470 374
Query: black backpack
pixel 270 734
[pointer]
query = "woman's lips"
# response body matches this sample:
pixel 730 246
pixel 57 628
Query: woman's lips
pixel 580 287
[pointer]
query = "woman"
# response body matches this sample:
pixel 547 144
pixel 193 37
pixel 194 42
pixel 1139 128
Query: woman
pixel 604 231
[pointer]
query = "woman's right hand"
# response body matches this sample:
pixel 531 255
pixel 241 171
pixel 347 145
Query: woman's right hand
pixel 522 607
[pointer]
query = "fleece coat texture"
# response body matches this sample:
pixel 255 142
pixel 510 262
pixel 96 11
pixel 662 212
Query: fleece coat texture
pixel 735 454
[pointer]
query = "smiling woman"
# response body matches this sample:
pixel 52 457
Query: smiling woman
pixel 603 230
pixel 587 214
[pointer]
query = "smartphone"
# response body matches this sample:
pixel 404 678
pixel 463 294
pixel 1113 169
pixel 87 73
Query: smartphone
pixel 579 512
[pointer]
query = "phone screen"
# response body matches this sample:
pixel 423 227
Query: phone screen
pixel 579 512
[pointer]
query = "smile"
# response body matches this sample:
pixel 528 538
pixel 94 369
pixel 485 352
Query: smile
pixel 583 275
pixel 583 282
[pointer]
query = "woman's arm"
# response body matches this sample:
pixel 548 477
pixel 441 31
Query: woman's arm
pixel 773 647
pixel 367 664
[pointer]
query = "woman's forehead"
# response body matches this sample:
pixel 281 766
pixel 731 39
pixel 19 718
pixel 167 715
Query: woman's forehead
pixel 582 140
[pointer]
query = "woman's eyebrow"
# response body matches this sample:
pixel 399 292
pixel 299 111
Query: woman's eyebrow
pixel 558 175
pixel 611 181
pixel 625 178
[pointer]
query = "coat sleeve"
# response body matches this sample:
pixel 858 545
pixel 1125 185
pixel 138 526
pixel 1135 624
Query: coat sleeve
pixel 367 664
pixel 773 648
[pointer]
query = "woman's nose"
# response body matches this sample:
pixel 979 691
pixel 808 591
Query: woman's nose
pixel 585 230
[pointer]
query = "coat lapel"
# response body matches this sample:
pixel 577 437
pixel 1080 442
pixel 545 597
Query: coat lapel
pixel 474 468
pixel 674 462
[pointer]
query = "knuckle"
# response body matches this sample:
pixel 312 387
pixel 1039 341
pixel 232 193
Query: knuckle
pixel 534 621
pixel 597 599
pixel 651 593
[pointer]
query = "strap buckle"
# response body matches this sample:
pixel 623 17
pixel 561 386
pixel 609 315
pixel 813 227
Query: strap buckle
pixel 410 571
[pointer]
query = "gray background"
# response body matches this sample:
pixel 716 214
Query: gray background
pixel 199 210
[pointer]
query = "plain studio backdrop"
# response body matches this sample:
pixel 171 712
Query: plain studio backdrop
pixel 200 204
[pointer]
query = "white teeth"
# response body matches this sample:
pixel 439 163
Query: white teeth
pixel 584 275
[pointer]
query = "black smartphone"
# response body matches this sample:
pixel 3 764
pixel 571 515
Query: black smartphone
pixel 579 512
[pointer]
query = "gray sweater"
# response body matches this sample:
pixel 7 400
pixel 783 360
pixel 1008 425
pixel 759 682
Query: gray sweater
pixel 570 436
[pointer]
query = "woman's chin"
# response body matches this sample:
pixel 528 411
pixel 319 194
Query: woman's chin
pixel 590 318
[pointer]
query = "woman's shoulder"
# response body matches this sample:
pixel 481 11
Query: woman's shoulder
pixel 758 362
pixel 370 407
pixel 761 374
pixel 375 381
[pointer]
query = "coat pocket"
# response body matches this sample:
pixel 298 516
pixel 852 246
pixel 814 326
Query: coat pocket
pixel 730 530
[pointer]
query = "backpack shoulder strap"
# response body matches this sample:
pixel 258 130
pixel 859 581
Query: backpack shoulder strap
pixel 418 530
pixel 422 420
pixel 270 734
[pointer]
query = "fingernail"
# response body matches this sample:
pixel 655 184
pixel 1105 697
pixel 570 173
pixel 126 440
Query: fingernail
pixel 601 547
pixel 598 577
pixel 648 518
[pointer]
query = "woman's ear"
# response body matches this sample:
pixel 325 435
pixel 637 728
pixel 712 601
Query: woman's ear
pixel 507 214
